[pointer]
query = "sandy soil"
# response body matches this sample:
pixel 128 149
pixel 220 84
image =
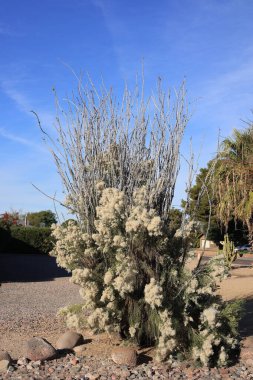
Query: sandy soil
pixel 240 286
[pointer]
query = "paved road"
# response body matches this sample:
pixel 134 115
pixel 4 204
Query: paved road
pixel 37 267
pixel 29 268
pixel 244 261
pixel 238 262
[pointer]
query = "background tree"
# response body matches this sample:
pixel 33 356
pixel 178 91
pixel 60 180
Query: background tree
pixel 41 218
pixel 234 180
pixel 228 183
pixel 9 219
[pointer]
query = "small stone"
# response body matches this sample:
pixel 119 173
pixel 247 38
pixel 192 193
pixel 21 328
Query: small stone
pixel 22 361
pixel 125 373
pixel 92 376
pixel 29 367
pixel 11 368
pixel 5 361
pixel 69 340
pixel 80 350
pixel 74 361
pixel 124 355
pixel 37 363
pixel 39 349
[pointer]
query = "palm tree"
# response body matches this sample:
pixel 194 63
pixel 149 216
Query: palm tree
pixel 234 181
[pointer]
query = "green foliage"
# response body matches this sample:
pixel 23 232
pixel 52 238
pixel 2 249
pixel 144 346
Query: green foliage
pixel 227 182
pixel 232 312
pixel 72 309
pixel 41 219
pixel 174 221
pixel 26 240
pixel 234 179
pixel 66 222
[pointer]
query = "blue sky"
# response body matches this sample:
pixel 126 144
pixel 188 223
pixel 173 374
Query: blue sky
pixel 208 42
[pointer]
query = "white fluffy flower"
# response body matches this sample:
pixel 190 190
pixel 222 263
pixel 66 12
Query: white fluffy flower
pixel 209 315
pixel 98 319
pixel 80 276
pixel 141 218
pixel 108 277
pixel 153 294
pixel 167 341
pixel 223 356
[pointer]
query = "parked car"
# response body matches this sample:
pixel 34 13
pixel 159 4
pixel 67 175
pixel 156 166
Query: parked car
pixel 241 249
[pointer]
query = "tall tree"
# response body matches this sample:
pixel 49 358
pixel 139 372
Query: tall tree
pixel 42 218
pixel 223 192
pixel 234 179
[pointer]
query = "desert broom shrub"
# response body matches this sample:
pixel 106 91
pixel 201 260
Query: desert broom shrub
pixel 119 164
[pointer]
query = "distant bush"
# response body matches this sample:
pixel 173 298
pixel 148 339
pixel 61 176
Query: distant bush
pixel 18 239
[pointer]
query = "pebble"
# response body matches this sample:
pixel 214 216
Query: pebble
pixel 103 368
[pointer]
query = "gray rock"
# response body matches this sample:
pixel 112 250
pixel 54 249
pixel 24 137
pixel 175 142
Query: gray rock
pixel 39 349
pixel 124 356
pixel 69 340
pixel 5 361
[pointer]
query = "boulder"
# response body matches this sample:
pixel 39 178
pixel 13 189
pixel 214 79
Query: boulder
pixel 124 356
pixel 69 340
pixel 39 349
pixel 5 361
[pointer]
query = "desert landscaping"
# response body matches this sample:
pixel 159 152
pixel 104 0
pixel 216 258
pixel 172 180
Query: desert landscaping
pixel 126 197
pixel 28 309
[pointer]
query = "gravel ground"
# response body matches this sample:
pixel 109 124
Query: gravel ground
pixel 28 309
pixel 91 367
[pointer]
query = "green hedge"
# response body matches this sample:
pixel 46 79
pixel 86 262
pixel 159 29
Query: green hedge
pixel 18 239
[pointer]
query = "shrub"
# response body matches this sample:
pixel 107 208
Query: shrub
pixel 119 165
pixel 26 240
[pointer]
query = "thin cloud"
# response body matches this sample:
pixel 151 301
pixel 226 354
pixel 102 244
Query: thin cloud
pixel 21 140
pixel 24 104
pixel 226 97
pixel 20 99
